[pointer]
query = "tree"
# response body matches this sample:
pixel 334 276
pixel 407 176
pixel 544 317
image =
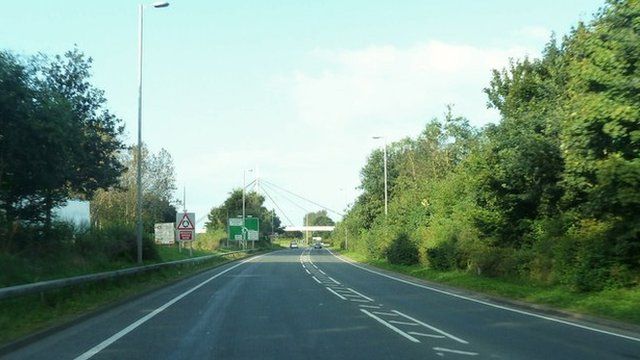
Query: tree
pixel 254 206
pixel 601 128
pixel 117 204
pixel 58 139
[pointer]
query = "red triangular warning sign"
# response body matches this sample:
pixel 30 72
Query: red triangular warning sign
pixel 185 223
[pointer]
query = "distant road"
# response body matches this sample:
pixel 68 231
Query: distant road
pixel 310 304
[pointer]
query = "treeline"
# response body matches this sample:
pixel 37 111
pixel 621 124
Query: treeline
pixel 551 192
pixel 59 141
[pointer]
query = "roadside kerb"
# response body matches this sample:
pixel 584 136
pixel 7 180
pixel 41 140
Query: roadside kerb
pixel 33 288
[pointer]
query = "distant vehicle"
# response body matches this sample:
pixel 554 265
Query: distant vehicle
pixel 317 245
pixel 293 245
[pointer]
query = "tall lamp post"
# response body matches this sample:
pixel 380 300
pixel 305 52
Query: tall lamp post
pixel 385 173
pixel 346 206
pixel 244 186
pixel 139 170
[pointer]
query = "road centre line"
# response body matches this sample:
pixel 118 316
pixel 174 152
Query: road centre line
pixel 455 351
pixel 336 294
pixel 316 279
pixel 432 328
pixel 363 295
pixel 548 318
pixel 390 326
pixel 96 349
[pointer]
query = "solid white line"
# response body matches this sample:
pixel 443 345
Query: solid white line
pixel 370 306
pixel 403 323
pixel 427 335
pixel 334 280
pixel 455 351
pixel 336 294
pixel 316 279
pixel 364 296
pixel 585 327
pixel 432 328
pixel 96 349
pixel 385 313
pixel 391 326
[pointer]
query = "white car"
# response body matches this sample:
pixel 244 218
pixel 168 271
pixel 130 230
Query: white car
pixel 293 245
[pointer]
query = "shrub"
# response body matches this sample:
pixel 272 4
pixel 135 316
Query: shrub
pixel 402 251
pixel 115 243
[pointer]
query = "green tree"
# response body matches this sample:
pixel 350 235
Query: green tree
pixel 601 129
pixel 254 206
pixel 58 139
pixel 117 204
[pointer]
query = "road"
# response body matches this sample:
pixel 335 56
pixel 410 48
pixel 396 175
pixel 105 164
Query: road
pixel 310 304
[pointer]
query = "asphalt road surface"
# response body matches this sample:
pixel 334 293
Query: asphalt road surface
pixel 310 304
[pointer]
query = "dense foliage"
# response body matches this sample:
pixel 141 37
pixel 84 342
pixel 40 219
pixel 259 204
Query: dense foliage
pixel 57 139
pixel 551 192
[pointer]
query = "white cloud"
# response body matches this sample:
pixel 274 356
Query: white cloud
pixel 386 85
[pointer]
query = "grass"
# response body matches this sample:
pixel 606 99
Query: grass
pixel 28 314
pixel 614 304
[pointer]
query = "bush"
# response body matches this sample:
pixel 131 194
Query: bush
pixel 210 241
pixel 402 251
pixel 115 243
pixel 442 256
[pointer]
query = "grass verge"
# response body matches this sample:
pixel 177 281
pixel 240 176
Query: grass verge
pixel 24 315
pixel 614 304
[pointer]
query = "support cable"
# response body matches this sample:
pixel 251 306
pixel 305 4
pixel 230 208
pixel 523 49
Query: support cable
pixel 301 197
pixel 277 192
pixel 277 206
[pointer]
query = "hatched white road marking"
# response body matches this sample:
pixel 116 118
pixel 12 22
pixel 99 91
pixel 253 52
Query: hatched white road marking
pixel 385 313
pixel 432 328
pixel 390 326
pixel 316 279
pixel 336 294
pixel 455 351
pixel 403 323
pixel 427 335
pixel 352 263
pixel 361 294
pixel 334 280
pixel 370 306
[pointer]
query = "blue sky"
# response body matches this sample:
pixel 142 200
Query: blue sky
pixel 294 88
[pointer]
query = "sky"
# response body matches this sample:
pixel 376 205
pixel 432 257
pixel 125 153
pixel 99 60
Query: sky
pixel 294 90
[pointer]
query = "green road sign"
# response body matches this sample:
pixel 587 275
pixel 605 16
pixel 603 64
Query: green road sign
pixel 249 232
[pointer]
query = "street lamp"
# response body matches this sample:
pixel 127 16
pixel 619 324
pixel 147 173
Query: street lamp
pixel 139 175
pixel 346 206
pixel 244 186
pixel 385 173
